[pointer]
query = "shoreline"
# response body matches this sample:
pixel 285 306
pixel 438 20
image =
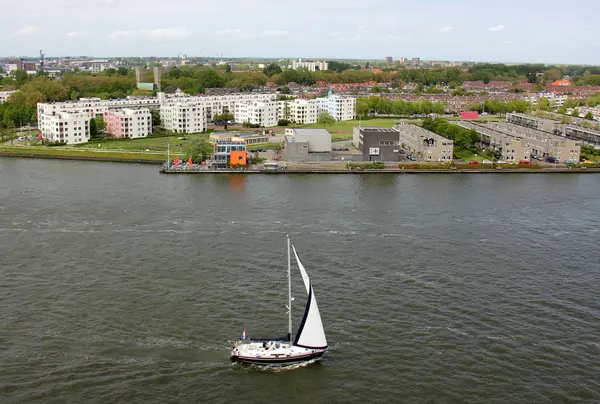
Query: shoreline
pixel 81 158
pixel 321 170
pixel 392 171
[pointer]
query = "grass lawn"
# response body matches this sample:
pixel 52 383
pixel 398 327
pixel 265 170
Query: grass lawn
pixel 153 144
pixel 70 151
pixel 467 156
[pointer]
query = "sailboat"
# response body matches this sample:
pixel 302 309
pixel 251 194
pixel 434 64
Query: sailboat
pixel 309 342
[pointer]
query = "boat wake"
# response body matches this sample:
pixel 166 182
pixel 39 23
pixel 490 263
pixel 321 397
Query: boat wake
pixel 275 368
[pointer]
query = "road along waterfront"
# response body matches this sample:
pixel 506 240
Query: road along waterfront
pixel 122 285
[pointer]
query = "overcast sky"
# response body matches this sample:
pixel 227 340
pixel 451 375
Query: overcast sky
pixel 506 31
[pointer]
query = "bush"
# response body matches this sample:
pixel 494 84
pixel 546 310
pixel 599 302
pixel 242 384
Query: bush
pixel 283 122
pixel 376 165
pixel 256 160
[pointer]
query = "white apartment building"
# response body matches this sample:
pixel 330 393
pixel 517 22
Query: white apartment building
pixel 127 122
pixel 309 65
pixel 341 107
pixel 262 113
pixel 298 111
pixel 184 117
pixel 5 94
pixel 71 127
pixel 172 108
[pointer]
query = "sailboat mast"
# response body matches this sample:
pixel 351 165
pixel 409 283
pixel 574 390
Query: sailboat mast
pixel 289 288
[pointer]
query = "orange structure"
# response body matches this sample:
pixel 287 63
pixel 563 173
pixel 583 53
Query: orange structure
pixel 237 159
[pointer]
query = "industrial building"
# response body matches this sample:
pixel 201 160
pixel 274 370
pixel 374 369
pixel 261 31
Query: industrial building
pixel 307 145
pixel 128 123
pixel 424 144
pixel 377 144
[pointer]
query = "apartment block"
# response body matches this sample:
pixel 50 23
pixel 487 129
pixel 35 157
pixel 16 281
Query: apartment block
pixel 309 65
pixel 425 145
pixel 511 148
pixel 585 135
pixel 184 117
pixel 298 111
pixel 533 141
pixel 262 113
pixel 4 95
pixel 127 122
pixel 340 107
pixel 66 127
pixel 533 122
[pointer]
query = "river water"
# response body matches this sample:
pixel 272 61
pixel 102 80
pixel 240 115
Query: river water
pixel 121 285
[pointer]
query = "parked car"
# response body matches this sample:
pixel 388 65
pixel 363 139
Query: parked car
pixel 474 162
pixel 487 162
pixel 554 160
pixel 534 156
pixel 524 162
pixel 411 157
pixel 569 161
pixel 501 162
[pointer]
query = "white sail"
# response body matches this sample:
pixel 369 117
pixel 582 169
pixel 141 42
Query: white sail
pixel 311 333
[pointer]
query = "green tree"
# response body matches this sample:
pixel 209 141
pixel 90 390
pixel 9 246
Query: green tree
pixel 223 119
pixel 155 118
pixel 543 104
pixel 227 68
pixel 93 129
pixel 362 107
pixel 589 116
pixel 21 77
pixel 325 119
pixel 198 148
pixel 272 69
pixel 74 96
pixel 575 113
pixel 122 71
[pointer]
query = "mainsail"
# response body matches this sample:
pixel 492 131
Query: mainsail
pixel 311 333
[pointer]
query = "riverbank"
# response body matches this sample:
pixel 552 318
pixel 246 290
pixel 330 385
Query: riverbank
pixel 85 155
pixel 391 171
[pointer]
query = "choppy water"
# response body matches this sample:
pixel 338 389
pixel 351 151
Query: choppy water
pixel 121 285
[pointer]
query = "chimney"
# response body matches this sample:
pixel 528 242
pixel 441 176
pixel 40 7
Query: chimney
pixel 138 74
pixel 157 74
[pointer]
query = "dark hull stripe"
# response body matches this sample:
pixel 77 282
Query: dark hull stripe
pixel 286 359
pixel 311 347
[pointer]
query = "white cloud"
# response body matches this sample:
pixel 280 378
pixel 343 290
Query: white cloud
pixel 157 34
pixel 77 34
pixel 446 29
pixel 27 30
pixel 230 31
pixel 275 32
pixel 497 28
pixel 507 42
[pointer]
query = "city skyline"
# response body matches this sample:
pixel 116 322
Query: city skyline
pixel 432 30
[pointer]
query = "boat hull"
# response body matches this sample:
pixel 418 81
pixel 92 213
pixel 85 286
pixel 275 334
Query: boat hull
pixel 277 361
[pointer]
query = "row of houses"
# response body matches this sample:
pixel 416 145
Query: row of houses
pixel 388 144
pixel 131 117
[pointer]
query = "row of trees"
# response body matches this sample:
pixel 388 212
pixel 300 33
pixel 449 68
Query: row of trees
pixel 381 106
pixel 464 139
